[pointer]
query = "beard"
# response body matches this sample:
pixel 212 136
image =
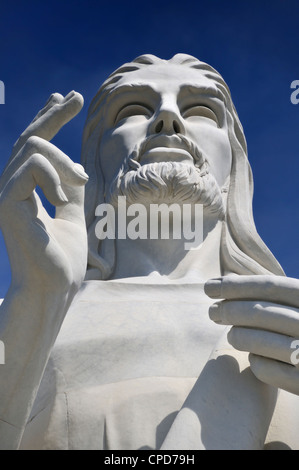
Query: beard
pixel 168 182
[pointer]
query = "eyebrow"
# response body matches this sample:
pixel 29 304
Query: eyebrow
pixel 211 91
pixel 119 90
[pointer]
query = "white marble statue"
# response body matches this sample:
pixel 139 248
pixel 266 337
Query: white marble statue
pixel 128 349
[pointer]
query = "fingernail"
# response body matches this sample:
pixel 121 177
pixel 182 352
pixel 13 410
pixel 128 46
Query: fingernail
pixel 80 171
pixel 70 95
pixel 62 195
pixel 213 288
pixel 55 98
pixel 215 313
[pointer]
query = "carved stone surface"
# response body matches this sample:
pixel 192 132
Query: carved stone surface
pixel 112 336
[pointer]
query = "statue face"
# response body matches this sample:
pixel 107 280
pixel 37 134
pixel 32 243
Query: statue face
pixel 157 104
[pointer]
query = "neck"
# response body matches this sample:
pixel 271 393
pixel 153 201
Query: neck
pixel 169 259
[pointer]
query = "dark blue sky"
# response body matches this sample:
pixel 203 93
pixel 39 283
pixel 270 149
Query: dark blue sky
pixel 63 45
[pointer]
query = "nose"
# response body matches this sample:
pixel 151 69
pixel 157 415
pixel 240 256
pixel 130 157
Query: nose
pixel 168 120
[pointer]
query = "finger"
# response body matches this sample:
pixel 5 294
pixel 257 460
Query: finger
pixel 36 171
pixel 51 118
pixel 55 98
pixel 69 172
pixel 276 289
pixel 275 373
pixel 262 315
pixel 262 343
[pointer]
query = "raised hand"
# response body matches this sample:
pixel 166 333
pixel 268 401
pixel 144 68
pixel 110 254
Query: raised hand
pixel 264 312
pixel 42 249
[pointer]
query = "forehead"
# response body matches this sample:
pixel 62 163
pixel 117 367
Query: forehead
pixel 167 78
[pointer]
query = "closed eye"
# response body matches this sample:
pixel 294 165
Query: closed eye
pixel 200 111
pixel 133 110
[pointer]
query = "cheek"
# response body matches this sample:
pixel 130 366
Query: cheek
pixel 220 159
pixel 116 145
pixel 215 145
pixel 113 151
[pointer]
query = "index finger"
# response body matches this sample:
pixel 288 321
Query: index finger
pixel 276 289
pixel 48 122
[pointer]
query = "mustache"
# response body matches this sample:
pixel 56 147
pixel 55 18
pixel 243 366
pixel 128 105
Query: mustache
pixel 170 182
pixel 178 141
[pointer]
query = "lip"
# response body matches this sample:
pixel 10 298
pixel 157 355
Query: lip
pixel 166 154
pixel 165 148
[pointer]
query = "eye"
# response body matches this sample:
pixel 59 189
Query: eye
pixel 133 110
pixel 201 111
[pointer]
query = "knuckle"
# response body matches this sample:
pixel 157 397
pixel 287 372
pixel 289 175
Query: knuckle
pixel 270 283
pixel 36 159
pixel 33 142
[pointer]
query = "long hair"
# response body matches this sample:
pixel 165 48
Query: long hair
pixel 242 251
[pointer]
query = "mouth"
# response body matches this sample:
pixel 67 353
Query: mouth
pixel 165 148
pixel 166 154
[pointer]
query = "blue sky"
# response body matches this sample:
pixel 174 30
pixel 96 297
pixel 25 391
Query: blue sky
pixel 64 45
